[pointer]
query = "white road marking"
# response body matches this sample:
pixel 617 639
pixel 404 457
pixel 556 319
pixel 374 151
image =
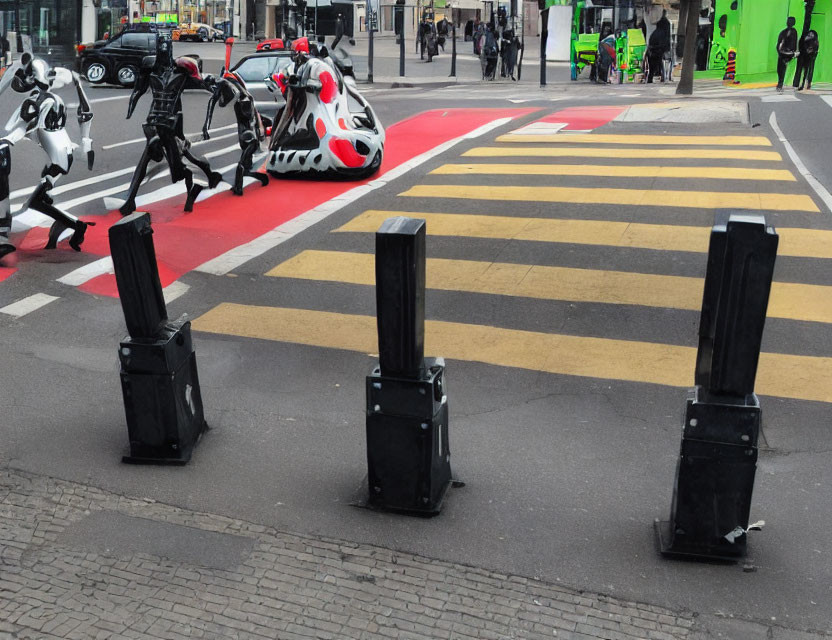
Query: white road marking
pixel 827 99
pixel 237 256
pixel 223 137
pixel 174 290
pixel 27 305
pixel 143 139
pixel 783 97
pixel 73 105
pixel 823 194
pixel 89 271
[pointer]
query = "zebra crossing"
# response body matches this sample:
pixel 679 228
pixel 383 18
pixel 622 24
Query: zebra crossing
pixel 600 241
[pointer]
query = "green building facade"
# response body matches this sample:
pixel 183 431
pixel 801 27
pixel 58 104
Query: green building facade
pixel 752 26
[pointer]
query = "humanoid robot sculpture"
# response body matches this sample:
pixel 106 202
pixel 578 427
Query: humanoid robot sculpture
pixel 166 78
pixel 43 115
pixel 327 129
pixel 231 89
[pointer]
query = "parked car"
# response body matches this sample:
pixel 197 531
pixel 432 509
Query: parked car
pixel 199 32
pixel 119 59
pixel 272 44
pixel 254 68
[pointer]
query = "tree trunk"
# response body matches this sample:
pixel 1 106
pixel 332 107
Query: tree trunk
pixel 685 86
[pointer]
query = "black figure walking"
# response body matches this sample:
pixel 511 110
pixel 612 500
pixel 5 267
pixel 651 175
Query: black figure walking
pixel 809 47
pixel 231 89
pixel 786 51
pixel 166 78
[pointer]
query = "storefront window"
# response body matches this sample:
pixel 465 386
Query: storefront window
pixel 52 25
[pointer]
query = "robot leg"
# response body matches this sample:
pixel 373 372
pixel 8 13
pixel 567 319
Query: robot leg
pixel 40 201
pixel 249 142
pixel 150 151
pixel 6 247
pixel 214 178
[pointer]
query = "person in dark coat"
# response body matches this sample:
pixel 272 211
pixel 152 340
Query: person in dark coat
pixel 658 46
pixel 786 51
pixel 339 30
pixel 809 46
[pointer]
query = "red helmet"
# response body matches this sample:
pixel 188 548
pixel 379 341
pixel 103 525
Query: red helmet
pixel 301 44
pixel 189 65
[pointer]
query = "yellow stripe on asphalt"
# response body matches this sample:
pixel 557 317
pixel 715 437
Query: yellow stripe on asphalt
pixel 596 138
pixel 794 242
pixel 592 152
pixel 787 376
pixel 791 301
pixel 617 171
pixel 620 197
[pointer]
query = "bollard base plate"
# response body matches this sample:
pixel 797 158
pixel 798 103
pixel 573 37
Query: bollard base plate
pixel 364 502
pixel 664 538
pixel 183 459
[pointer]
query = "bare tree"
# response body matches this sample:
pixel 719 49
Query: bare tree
pixel 691 13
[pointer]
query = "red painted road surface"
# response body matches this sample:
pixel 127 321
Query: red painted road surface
pixel 585 118
pixel 186 240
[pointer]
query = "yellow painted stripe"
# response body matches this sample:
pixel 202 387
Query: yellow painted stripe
pixel 794 242
pixel 591 152
pixel 597 138
pixel 617 171
pixel 791 301
pixel 787 376
pixel 620 197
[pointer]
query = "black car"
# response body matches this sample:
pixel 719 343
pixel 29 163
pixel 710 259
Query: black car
pixel 118 59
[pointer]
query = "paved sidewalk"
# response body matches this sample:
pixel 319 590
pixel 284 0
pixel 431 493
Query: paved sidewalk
pixel 77 562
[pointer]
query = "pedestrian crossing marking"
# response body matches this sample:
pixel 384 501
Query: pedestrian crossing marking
pixel 597 138
pixel 617 171
pixel 786 376
pixel 620 197
pixel 790 301
pixel 633 153
pixel 794 242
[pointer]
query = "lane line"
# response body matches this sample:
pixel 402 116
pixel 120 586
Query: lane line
pixel 819 189
pixel 790 301
pixel 74 105
pixel 598 138
pixel 174 290
pixel 620 197
pixel 189 136
pixel 652 154
pixel 618 171
pixel 787 376
pixel 238 256
pixel 794 242
pixel 89 271
pixel 27 305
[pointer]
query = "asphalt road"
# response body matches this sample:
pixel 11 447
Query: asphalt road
pixel 564 474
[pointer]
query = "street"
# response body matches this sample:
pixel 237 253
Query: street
pixel 566 253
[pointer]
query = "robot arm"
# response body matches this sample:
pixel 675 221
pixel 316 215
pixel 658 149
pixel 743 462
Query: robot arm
pixel 212 102
pixel 84 120
pixel 141 86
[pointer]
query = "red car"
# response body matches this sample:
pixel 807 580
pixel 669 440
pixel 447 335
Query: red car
pixel 272 44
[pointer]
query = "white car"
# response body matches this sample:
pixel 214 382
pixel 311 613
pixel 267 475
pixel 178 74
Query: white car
pixel 199 32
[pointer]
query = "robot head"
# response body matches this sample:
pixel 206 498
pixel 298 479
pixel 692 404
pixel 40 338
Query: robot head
pixel 301 45
pixel 32 73
pixel 164 50
pixel 190 66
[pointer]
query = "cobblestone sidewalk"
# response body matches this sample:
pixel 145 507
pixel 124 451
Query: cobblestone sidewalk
pixel 77 562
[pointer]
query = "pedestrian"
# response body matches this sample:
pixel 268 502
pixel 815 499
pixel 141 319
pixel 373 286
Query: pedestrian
pixel 489 54
pixel 809 47
pixel 658 47
pixel 786 51
pixel 339 30
pixel 510 55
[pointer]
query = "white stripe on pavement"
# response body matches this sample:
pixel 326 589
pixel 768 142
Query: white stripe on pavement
pixel 89 271
pixel 27 305
pixel 73 105
pixel 174 290
pixel 823 194
pixel 143 139
pixel 237 256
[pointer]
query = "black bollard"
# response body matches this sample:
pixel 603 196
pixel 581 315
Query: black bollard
pixel 401 40
pixel 162 399
pixel 453 50
pixel 718 460
pixel 407 410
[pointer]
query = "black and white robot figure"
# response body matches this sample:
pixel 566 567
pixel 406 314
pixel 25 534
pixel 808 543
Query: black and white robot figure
pixel 327 129
pixel 42 117
pixel 230 89
pixel 166 78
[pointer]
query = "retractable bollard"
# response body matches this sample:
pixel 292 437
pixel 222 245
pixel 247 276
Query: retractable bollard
pixel 159 381
pixel 409 468
pixel 718 459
